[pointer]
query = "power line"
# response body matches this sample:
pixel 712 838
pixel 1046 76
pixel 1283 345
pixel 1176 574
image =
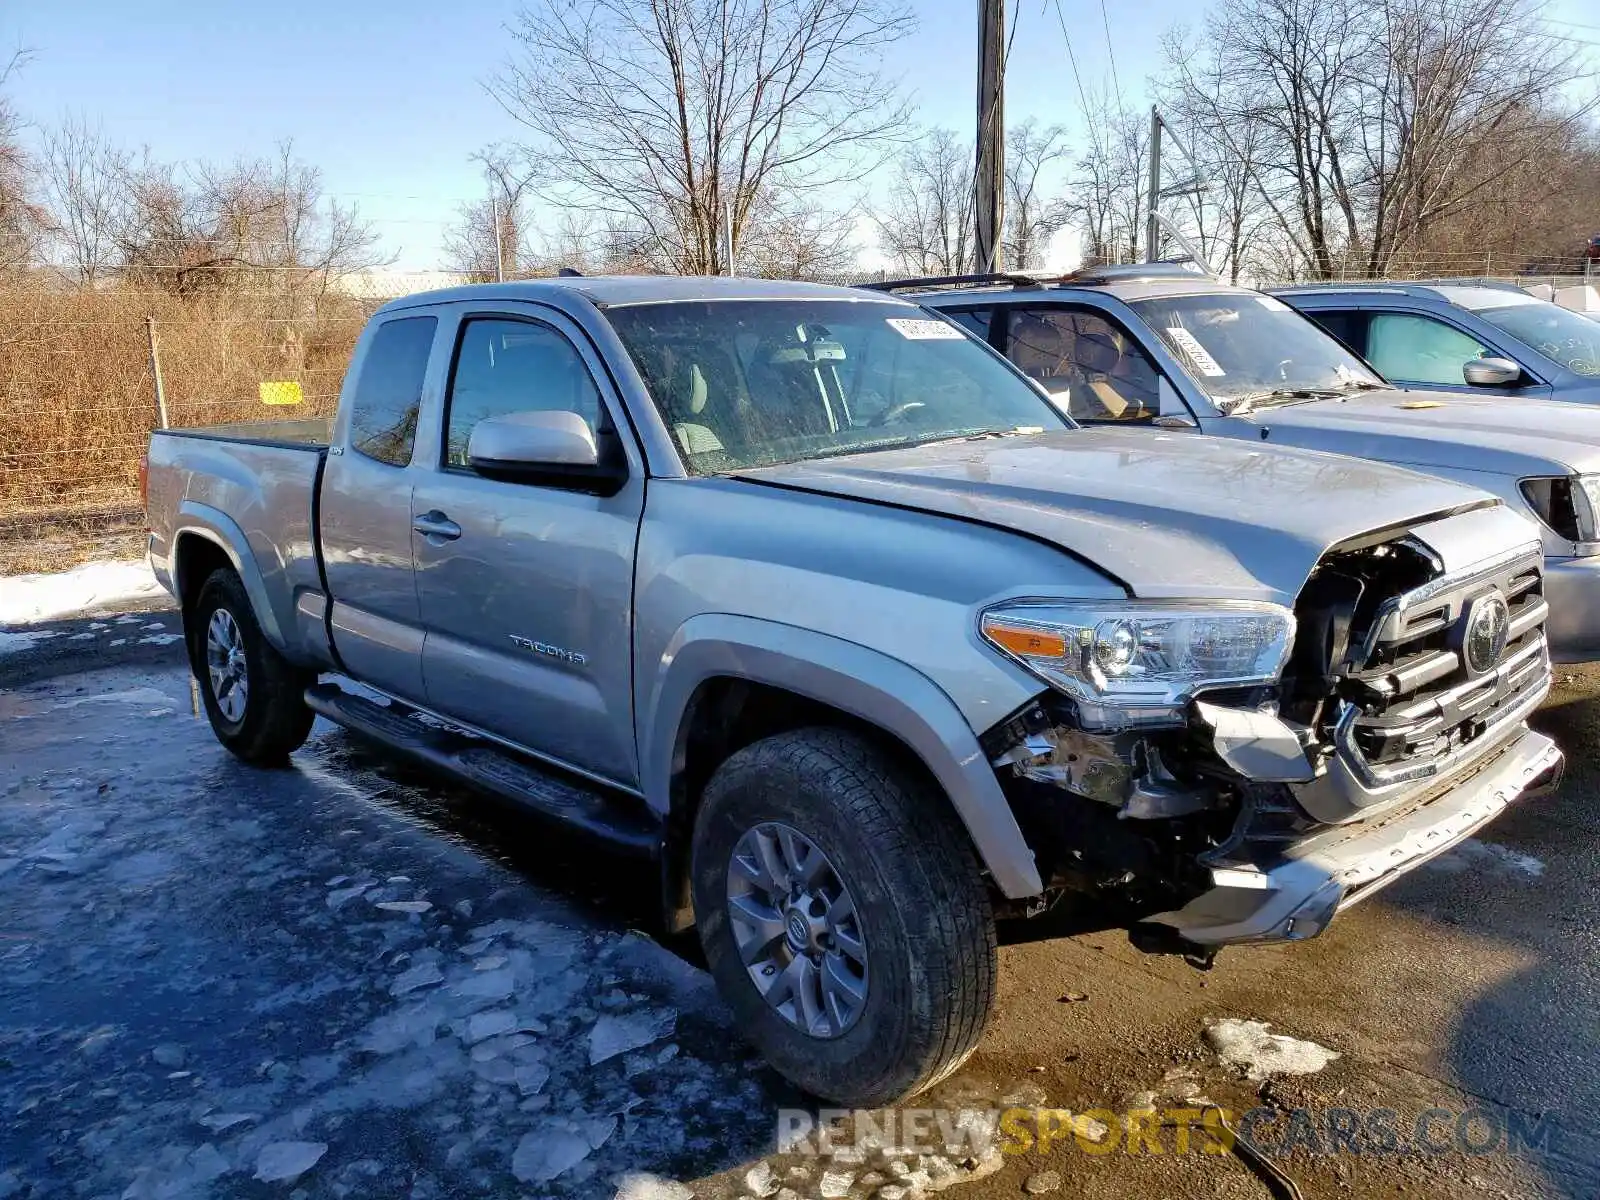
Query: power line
pixel 1105 22
pixel 1072 58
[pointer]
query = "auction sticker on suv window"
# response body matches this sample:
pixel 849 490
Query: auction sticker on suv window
pixel 1198 354
pixel 922 331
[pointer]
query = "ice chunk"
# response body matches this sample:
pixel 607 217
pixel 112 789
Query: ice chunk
pixel 1261 1054
pixel 615 1034
pixel 425 975
pixel 545 1153
pixel 641 1185
pixel 279 1161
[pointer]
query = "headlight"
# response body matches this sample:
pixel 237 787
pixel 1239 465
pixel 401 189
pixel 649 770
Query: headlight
pixel 1138 663
pixel 1568 504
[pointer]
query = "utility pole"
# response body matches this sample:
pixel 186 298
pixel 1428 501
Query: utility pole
pixel 1152 223
pixel 499 247
pixel 989 176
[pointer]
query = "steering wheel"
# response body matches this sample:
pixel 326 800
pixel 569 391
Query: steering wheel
pixel 890 415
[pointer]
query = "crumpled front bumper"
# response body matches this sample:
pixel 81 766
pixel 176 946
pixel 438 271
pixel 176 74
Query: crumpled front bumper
pixel 1572 589
pixel 1298 896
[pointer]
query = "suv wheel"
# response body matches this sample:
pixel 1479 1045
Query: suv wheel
pixel 844 916
pixel 254 697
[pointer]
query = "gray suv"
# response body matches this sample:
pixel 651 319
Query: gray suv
pixel 1479 339
pixel 1171 350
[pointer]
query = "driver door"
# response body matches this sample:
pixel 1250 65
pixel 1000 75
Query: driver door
pixel 526 589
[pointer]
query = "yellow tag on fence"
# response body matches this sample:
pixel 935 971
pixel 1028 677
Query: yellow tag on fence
pixel 285 391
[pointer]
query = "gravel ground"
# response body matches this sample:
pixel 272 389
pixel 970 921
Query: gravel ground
pixel 343 979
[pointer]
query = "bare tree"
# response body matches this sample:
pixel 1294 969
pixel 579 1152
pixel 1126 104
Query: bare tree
pixel 926 225
pixel 85 183
pixel 1107 188
pixel 262 222
pixel 493 236
pixel 20 217
pixel 1367 119
pixel 666 117
pixel 1032 217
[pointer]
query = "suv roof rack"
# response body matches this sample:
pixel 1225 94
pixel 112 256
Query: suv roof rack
pixel 989 279
pixel 1184 268
pixel 1170 268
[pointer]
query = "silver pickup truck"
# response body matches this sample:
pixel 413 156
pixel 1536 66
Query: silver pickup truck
pixel 816 605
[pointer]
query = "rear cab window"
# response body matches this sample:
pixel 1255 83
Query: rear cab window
pixel 388 391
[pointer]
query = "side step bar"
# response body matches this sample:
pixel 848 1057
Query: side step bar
pixel 490 768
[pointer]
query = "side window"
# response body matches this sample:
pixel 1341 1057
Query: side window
pixel 505 366
pixel 974 320
pixel 388 395
pixel 1082 358
pixel 1346 326
pixel 1415 349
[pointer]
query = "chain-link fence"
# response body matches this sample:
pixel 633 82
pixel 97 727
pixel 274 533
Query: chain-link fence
pixel 79 396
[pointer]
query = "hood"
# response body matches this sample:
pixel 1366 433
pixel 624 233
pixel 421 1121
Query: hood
pixel 1427 430
pixel 1167 515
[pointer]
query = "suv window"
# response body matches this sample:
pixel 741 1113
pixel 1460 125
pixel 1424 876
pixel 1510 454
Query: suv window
pixel 1418 349
pixel 1081 357
pixel 388 395
pixel 506 366
pixel 974 320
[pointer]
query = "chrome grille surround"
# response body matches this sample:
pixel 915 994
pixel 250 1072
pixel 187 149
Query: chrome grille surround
pixel 1410 710
pixel 1433 714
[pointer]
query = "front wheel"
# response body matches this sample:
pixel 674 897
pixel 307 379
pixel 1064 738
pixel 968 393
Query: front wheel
pixel 254 697
pixel 844 916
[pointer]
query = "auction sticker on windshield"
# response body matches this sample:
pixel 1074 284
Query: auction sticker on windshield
pixel 1198 354
pixel 922 331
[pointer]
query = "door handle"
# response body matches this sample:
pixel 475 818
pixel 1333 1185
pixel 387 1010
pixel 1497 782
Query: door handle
pixel 436 527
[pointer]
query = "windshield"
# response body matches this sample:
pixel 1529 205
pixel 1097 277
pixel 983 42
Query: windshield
pixel 1555 332
pixel 744 383
pixel 1248 349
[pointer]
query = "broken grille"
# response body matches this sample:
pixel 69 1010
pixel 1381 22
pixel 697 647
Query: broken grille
pixel 1416 705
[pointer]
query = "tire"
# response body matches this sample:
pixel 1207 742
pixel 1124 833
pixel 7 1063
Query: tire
pixel 269 718
pixel 920 903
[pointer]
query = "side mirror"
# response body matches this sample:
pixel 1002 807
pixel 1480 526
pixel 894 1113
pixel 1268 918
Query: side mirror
pixel 1490 372
pixel 556 448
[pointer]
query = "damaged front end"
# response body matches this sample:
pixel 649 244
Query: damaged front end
pixel 1252 809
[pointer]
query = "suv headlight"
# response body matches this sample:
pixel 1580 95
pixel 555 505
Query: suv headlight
pixel 1567 504
pixel 1134 662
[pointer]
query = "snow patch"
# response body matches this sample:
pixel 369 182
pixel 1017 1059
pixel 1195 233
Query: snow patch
pixel 143 695
pixel 15 643
pixel 641 1185
pixel 288 1160
pixel 1261 1054
pixel 29 599
pixel 1475 855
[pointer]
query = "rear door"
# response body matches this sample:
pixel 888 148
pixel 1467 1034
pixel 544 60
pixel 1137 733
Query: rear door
pixel 364 520
pixel 526 590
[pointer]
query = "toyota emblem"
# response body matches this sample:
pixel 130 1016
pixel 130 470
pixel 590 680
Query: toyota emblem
pixel 1488 627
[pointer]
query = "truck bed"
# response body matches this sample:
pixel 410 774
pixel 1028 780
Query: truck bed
pixel 251 489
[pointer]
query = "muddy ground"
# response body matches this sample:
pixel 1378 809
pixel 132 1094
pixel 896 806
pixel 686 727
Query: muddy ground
pixel 343 979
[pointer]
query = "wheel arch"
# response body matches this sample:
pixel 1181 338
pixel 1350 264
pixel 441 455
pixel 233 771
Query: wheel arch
pixel 207 539
pixel 724 681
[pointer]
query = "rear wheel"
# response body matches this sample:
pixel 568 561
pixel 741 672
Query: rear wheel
pixel 844 916
pixel 254 697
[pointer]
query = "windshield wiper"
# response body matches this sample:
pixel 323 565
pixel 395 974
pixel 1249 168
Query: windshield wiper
pixel 1239 405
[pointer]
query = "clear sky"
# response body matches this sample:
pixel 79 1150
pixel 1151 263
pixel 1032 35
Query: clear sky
pixel 387 96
